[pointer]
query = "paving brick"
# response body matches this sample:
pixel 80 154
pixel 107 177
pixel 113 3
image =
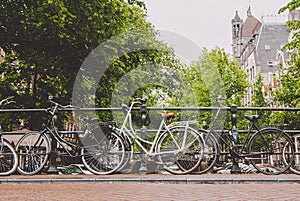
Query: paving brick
pixel 149 187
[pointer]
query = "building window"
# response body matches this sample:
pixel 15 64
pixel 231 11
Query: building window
pixel 270 64
pixel 267 47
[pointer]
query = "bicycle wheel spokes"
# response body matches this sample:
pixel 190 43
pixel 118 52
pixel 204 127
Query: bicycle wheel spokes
pixel 180 150
pixel 105 157
pixel 8 158
pixel 210 153
pixel 266 150
pixel 33 150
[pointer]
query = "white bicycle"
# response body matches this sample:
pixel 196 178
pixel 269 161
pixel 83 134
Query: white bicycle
pixel 177 147
pixel 8 154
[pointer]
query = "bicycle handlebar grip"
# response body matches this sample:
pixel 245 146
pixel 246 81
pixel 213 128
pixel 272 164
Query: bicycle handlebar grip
pixel 220 98
pixel 124 107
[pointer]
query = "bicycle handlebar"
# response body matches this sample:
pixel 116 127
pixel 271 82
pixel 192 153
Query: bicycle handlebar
pixel 142 100
pixel 7 101
pixel 220 98
pixel 56 105
pixel 136 100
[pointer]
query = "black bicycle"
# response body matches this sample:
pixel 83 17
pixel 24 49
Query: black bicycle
pixel 101 151
pixel 265 149
pixel 8 155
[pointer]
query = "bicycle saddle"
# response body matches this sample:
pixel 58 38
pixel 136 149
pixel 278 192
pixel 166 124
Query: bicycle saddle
pixel 252 118
pixel 168 115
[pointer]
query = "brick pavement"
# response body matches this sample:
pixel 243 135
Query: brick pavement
pixel 147 191
pixel 150 187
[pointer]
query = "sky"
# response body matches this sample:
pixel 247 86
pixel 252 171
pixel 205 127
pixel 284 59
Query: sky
pixel 206 22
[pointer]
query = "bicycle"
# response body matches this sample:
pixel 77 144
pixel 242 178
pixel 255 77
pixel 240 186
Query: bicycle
pixel 8 154
pixel 264 149
pixel 295 167
pixel 177 147
pixel 100 152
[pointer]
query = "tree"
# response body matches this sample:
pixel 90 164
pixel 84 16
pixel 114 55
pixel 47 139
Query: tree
pixel 259 95
pixel 259 101
pixel 47 41
pixel 214 74
pixel 288 94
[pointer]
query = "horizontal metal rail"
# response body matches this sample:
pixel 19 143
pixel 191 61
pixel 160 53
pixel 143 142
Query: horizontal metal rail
pixel 152 108
pixel 149 108
pixel 20 132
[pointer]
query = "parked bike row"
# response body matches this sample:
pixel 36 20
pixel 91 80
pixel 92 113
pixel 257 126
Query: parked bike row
pixel 177 147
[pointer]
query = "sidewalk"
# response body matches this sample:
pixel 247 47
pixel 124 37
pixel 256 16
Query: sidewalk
pixel 149 187
pixel 156 178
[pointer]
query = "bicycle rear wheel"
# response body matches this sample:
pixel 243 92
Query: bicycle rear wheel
pixel 8 158
pixel 211 153
pixel 295 167
pixel 267 151
pixel 180 150
pixel 33 150
pixel 106 156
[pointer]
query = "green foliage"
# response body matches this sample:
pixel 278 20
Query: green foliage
pixel 259 101
pixel 214 74
pixel 47 41
pixel 289 94
pixel 258 96
pixel 292 5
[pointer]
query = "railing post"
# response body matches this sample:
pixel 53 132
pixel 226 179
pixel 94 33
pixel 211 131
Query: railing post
pixel 234 131
pixel 143 110
pixel 52 158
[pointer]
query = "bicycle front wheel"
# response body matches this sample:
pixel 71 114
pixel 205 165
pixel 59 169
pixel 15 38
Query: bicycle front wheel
pixel 33 150
pixel 8 158
pixel 106 156
pixel 180 150
pixel 267 151
pixel 295 167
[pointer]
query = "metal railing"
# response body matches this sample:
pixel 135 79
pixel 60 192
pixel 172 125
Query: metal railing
pixel 234 112
pixel 30 110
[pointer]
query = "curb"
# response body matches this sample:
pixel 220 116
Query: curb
pixel 170 180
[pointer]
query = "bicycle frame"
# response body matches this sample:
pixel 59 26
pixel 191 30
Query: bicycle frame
pixel 236 151
pixel 133 134
pixel 54 133
pixel 5 101
pixel 62 142
pixel 163 127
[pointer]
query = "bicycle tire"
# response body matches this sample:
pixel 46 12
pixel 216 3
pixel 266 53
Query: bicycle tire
pixel 8 158
pixel 33 150
pixel 211 153
pixel 173 159
pixel 266 150
pixel 105 157
pixel 295 167
pixel 128 152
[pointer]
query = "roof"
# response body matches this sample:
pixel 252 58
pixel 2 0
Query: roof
pixel 272 38
pixel 236 18
pixel 250 26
